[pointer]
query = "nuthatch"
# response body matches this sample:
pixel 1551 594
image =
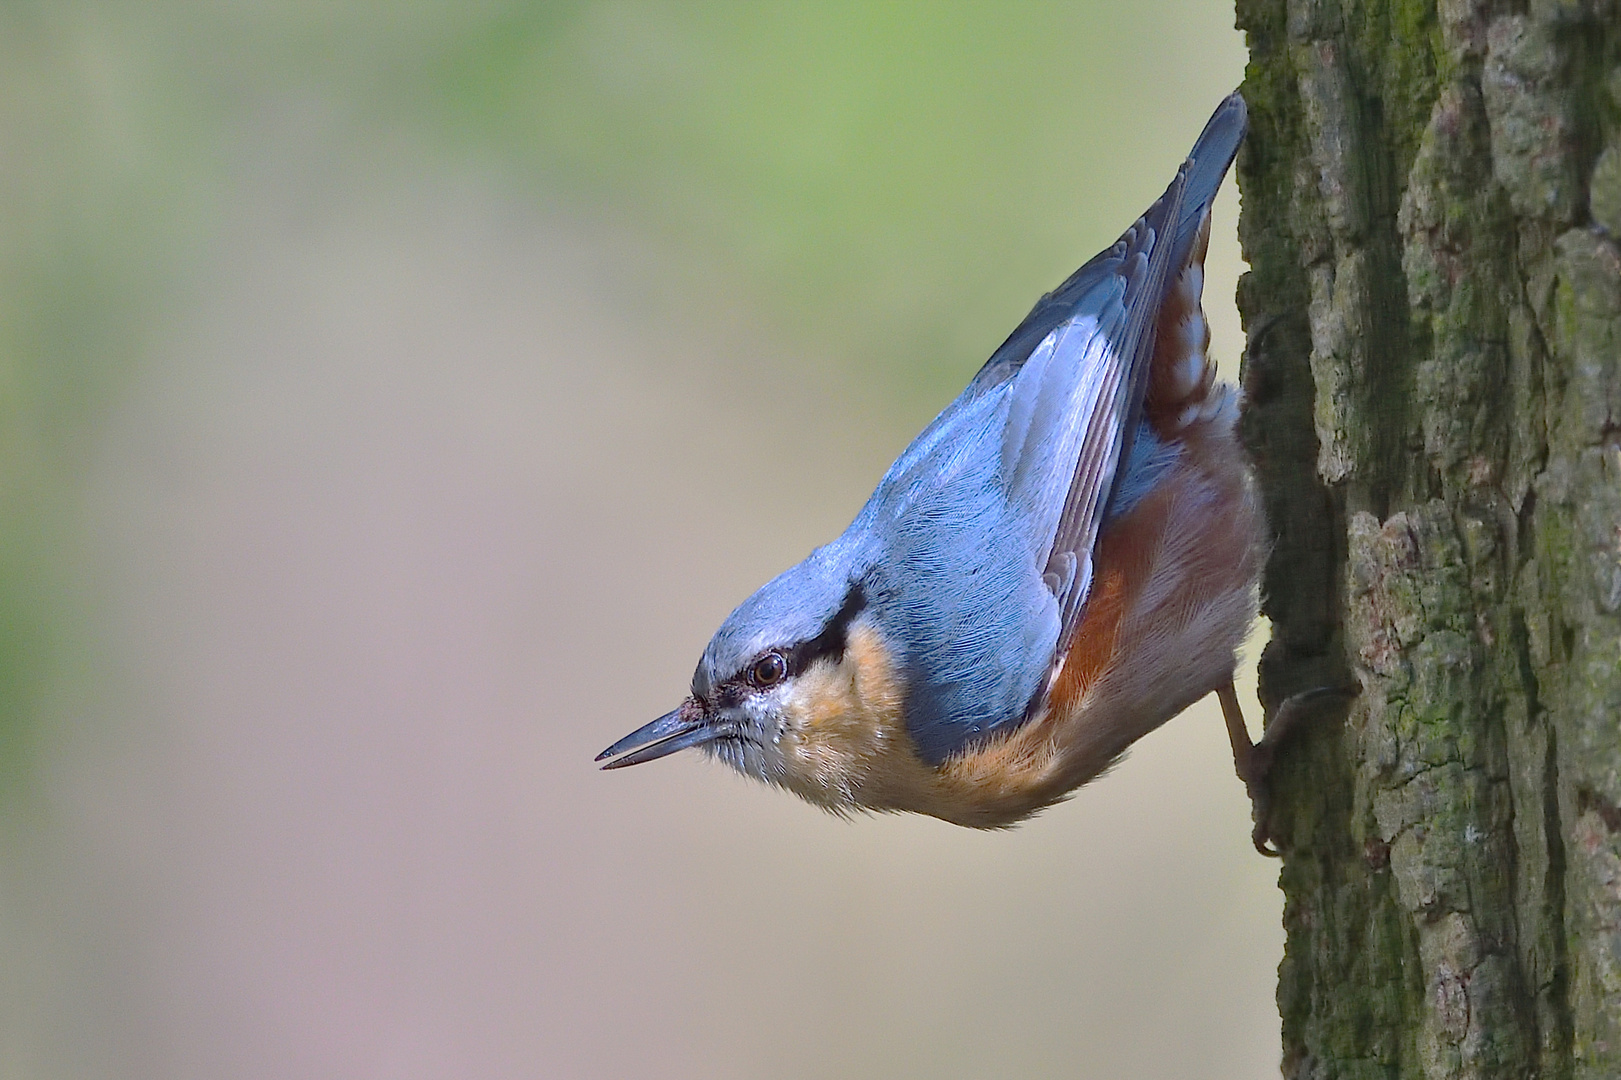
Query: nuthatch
pixel 1066 558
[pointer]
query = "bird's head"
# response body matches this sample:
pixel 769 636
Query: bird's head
pixel 796 688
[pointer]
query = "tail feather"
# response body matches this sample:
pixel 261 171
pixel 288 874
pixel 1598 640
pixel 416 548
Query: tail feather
pixel 1181 374
pixel 1212 155
pixel 1208 162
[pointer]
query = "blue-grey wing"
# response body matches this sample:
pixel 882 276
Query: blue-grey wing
pixel 996 508
pixel 1206 166
pixel 1155 250
pixel 1073 407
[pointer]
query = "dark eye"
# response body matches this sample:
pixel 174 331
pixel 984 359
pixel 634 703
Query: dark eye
pixel 769 670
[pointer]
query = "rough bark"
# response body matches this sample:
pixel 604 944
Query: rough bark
pixel 1432 214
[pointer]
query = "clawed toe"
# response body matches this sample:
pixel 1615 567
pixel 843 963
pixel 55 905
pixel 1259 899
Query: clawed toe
pixel 1253 760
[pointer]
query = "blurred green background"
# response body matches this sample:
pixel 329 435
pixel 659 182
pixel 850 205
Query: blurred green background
pixel 392 402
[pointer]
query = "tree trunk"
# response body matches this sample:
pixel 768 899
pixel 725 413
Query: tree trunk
pixel 1432 213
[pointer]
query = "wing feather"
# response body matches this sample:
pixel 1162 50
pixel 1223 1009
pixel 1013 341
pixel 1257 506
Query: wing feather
pixel 1147 258
pixel 1022 469
pixel 1091 376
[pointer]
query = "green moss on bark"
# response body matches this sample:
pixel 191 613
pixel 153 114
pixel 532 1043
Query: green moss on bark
pixel 1431 197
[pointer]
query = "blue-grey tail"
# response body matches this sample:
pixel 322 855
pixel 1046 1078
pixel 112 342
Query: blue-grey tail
pixel 1200 178
pixel 1212 155
pixel 1207 165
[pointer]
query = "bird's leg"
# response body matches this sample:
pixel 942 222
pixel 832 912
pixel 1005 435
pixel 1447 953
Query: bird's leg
pixel 1253 761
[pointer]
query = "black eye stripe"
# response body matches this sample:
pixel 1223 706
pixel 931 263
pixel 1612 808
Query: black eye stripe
pixel 829 643
pixel 832 639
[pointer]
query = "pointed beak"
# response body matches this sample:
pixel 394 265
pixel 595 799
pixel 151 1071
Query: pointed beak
pixel 671 732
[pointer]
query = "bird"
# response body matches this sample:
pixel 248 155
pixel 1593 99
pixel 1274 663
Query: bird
pixel 1067 557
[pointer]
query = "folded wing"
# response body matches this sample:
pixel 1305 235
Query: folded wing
pixel 1077 395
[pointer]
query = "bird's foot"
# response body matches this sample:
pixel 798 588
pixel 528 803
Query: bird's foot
pixel 1253 760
